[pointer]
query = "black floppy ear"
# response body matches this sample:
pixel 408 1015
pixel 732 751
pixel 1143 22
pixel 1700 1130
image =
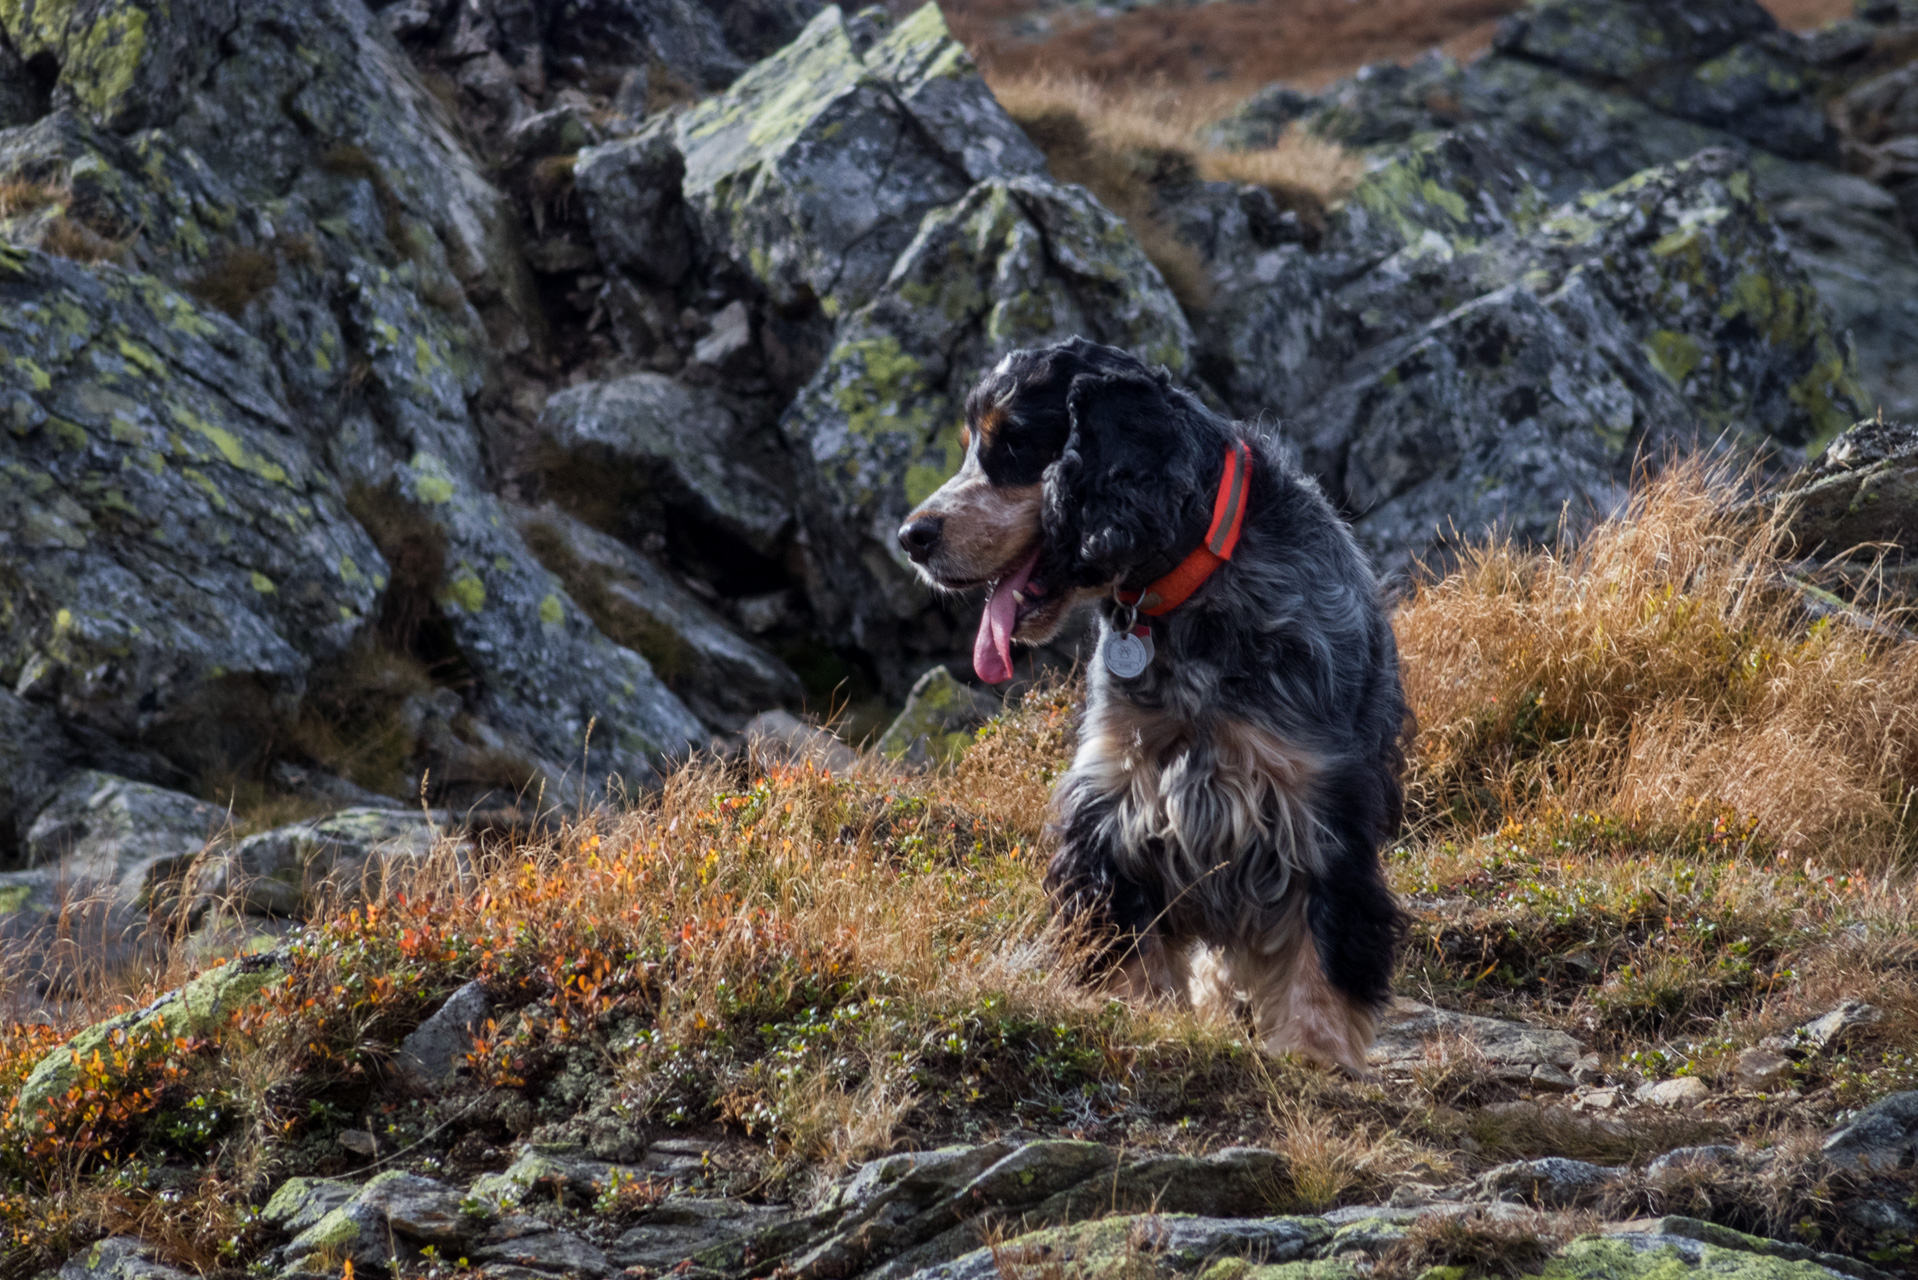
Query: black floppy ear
pixel 1124 488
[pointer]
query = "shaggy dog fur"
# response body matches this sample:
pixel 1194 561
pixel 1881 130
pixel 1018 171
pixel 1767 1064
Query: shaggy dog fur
pixel 1220 825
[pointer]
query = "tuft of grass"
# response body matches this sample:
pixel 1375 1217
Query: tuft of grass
pixel 1125 145
pixel 70 238
pixel 1661 670
pixel 235 278
pixel 1472 1245
pixel 23 195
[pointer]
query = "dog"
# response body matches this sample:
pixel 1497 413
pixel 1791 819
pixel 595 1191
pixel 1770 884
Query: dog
pixel 1218 832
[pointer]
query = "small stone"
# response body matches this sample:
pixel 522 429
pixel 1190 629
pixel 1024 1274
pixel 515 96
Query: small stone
pixel 1598 1100
pixel 782 738
pixel 731 335
pixel 1883 1136
pixel 298 1203
pixel 359 1142
pixel 555 1251
pixel 938 721
pixel 1683 1091
pixel 417 1208
pixel 1549 1078
pixel 436 1050
pixel 1823 1032
pixel 1554 1182
pixel 1762 1068
pixel 1589 1069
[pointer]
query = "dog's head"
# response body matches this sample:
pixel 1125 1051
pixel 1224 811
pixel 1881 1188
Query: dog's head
pixel 1084 469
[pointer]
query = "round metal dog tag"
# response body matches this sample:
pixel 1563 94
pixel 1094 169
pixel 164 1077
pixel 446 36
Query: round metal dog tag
pixel 1127 654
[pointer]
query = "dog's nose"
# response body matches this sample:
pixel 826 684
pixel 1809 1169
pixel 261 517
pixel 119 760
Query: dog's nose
pixel 920 536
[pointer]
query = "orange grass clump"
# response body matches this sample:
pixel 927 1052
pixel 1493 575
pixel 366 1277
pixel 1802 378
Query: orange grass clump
pixel 1661 670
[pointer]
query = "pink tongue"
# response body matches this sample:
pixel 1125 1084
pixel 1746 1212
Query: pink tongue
pixel 992 649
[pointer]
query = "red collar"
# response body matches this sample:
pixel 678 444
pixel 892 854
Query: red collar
pixel 1228 515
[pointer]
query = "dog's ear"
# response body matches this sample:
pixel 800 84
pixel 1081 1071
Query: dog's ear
pixel 1124 490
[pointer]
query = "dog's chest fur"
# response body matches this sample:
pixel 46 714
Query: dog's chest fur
pixel 1212 807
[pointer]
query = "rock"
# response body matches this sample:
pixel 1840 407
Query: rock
pixel 1552 1079
pixel 1690 1160
pixel 1627 41
pixel 417 1208
pixel 1553 1182
pixel 1589 1069
pixel 1828 1029
pixel 1687 257
pixel 1262 119
pixel 689 1227
pixel 103 830
pixel 558 132
pixel 663 454
pixel 553 1251
pixel 186 600
pixel 1857 503
pixel 777 738
pixel 1664 1246
pixel 1882 1136
pixel 393 1216
pixel 543 673
pixel 1882 1216
pixel 1012 264
pixel 729 340
pixel 551 1174
pixel 1150 1244
pixel 199 1007
pixel 629 190
pixel 1684 1091
pixel 299 1202
pixel 813 170
pixel 1408 1026
pixel 937 723
pixel 722 677
pixel 1761 1068
pixel 278 872
pixel 117 1258
pixel 34 753
pixel 437 1048
pixel 361 1142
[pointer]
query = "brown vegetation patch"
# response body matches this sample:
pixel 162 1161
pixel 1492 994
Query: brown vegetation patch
pixel 1124 148
pixel 235 278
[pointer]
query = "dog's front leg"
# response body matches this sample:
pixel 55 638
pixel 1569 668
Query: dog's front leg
pixel 1114 920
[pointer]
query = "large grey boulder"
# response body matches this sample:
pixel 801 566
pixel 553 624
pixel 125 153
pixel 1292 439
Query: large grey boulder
pixel 813 170
pixel 280 872
pixel 177 549
pixel 1723 63
pixel 99 830
pixel 662 451
pixel 722 677
pixel 544 675
pixel 1881 1137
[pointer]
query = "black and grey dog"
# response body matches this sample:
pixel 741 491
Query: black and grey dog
pixel 1239 760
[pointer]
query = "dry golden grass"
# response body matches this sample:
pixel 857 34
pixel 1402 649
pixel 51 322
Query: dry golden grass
pixel 1661 671
pixel 1123 145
